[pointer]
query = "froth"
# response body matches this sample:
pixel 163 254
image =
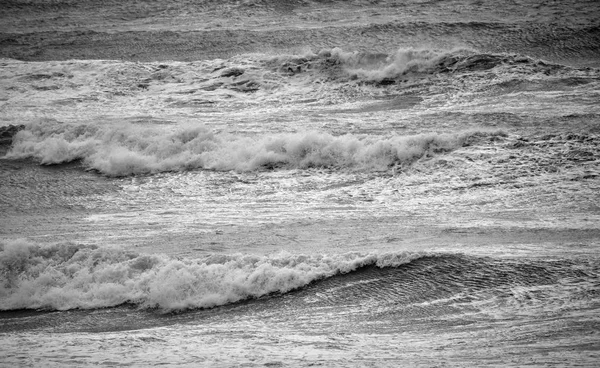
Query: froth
pixel 403 61
pixel 70 276
pixel 381 69
pixel 126 150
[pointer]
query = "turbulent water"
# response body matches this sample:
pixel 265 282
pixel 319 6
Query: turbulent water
pixel 299 183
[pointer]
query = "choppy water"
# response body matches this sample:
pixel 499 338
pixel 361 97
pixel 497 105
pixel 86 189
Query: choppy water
pixel 299 183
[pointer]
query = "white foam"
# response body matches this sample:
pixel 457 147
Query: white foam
pixel 68 276
pixel 404 60
pixel 127 149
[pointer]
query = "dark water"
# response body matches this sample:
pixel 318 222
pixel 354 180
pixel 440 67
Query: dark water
pixel 191 30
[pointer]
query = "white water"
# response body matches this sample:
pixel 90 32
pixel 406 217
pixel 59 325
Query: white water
pixel 284 187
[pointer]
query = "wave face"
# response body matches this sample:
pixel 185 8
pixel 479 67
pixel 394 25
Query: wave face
pixel 68 276
pixel 390 68
pixel 132 150
pixel 271 80
pixel 337 65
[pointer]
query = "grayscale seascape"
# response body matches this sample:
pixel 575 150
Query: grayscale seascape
pixel 299 183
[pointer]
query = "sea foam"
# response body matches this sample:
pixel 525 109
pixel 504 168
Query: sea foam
pixel 68 276
pixel 127 149
pixel 403 61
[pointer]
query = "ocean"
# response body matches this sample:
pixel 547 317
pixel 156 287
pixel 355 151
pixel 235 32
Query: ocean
pixel 299 183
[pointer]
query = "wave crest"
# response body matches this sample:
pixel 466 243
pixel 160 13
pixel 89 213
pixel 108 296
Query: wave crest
pixel 127 150
pixel 381 68
pixel 68 276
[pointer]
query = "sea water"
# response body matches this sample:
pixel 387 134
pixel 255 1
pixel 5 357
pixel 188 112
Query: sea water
pixel 300 183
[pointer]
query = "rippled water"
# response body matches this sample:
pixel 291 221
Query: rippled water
pixel 298 183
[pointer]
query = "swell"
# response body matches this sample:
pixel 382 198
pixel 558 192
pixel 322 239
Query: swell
pixel 564 43
pixel 569 44
pixel 384 69
pixel 441 276
pixel 68 276
pixel 126 150
pixel 249 79
pixel 190 30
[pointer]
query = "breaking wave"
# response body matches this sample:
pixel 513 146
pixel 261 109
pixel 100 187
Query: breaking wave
pixel 69 276
pixel 126 150
pixel 341 65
